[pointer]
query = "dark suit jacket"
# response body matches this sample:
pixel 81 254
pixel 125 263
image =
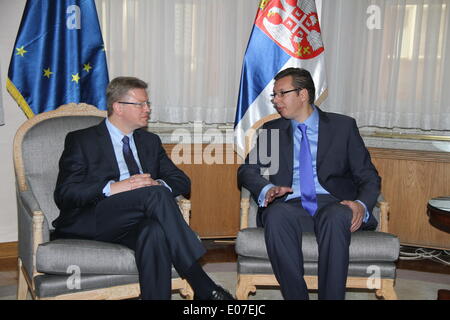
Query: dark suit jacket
pixel 344 167
pixel 87 164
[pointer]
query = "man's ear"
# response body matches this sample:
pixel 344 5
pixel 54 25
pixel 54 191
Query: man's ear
pixel 304 96
pixel 117 108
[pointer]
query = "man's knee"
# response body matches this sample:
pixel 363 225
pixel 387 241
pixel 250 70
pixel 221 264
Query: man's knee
pixel 284 218
pixel 275 215
pixel 159 191
pixel 157 194
pixel 335 214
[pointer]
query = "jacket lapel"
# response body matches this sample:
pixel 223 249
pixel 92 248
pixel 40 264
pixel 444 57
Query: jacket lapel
pixel 286 151
pixel 325 137
pixel 106 147
pixel 141 149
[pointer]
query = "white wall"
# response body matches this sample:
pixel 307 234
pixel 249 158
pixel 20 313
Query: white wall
pixel 10 16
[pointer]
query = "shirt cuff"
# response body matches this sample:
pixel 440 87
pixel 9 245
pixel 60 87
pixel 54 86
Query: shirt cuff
pixel 366 213
pixel 107 188
pixel 163 183
pixel 262 195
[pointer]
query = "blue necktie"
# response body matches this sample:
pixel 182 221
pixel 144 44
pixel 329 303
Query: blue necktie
pixel 307 185
pixel 128 156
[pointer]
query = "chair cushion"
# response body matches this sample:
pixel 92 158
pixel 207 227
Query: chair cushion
pixel 92 257
pixel 54 285
pixel 365 246
pixel 386 270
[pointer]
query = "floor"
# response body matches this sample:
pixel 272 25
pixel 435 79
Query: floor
pixel 222 251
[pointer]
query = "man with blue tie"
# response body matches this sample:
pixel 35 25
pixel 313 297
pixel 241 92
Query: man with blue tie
pixel 325 183
pixel 116 184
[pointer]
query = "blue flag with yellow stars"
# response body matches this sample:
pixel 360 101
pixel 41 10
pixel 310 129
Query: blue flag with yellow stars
pixel 59 57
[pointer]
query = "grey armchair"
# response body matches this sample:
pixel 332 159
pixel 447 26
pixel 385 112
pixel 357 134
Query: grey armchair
pixel 372 255
pixel 65 268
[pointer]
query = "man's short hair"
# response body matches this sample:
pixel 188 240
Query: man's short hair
pixel 301 78
pixel 119 87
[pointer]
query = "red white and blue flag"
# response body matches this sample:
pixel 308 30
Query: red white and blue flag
pixel 286 33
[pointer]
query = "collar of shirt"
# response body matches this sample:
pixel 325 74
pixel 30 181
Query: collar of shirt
pixel 312 123
pixel 116 138
pixel 116 134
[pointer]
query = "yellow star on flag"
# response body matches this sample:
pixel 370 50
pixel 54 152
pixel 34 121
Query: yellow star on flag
pixel 75 77
pixel 300 51
pixel 87 67
pixel 21 51
pixel 47 73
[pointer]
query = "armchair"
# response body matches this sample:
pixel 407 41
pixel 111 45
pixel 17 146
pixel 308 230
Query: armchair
pixel 372 255
pixel 51 269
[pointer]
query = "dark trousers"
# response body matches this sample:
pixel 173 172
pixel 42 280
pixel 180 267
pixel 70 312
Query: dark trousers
pixel 284 223
pixel 148 221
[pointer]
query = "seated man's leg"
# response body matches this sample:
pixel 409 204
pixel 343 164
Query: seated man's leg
pixel 332 228
pixel 138 214
pixel 284 223
pixel 119 214
pixel 152 259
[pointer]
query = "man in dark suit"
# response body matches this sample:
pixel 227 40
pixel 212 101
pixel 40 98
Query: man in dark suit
pixel 323 182
pixel 116 184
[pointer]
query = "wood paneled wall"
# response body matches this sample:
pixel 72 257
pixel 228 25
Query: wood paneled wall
pixel 409 180
pixel 215 195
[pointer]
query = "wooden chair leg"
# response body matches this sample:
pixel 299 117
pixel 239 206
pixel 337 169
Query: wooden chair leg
pixel 387 290
pixel 22 286
pixel 244 287
pixel 188 292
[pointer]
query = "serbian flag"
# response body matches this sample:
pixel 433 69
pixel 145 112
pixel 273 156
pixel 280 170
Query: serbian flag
pixel 286 33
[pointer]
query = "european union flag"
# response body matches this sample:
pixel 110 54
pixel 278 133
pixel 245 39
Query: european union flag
pixel 58 57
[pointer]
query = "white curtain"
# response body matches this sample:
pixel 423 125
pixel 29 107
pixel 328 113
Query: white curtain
pixel 395 74
pixel 391 73
pixel 190 52
pixel 2 114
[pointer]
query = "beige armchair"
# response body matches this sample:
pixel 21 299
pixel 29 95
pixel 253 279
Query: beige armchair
pixel 48 269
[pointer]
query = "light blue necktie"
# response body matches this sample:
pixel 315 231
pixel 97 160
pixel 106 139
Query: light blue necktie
pixel 307 186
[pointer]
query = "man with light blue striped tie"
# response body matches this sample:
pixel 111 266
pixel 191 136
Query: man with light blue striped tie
pixel 325 183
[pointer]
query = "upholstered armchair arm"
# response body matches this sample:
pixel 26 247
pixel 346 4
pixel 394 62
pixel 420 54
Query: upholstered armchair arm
pixel 32 229
pixel 245 208
pixel 185 207
pixel 383 205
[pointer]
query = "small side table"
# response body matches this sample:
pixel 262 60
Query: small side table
pixel 439 213
pixel 438 210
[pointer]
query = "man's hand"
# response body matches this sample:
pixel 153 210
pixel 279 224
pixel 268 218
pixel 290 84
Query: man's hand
pixel 358 213
pixel 134 182
pixel 276 192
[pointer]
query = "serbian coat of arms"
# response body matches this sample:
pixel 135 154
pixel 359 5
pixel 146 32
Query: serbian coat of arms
pixel 293 25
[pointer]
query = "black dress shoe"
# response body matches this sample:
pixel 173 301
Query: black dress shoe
pixel 218 293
